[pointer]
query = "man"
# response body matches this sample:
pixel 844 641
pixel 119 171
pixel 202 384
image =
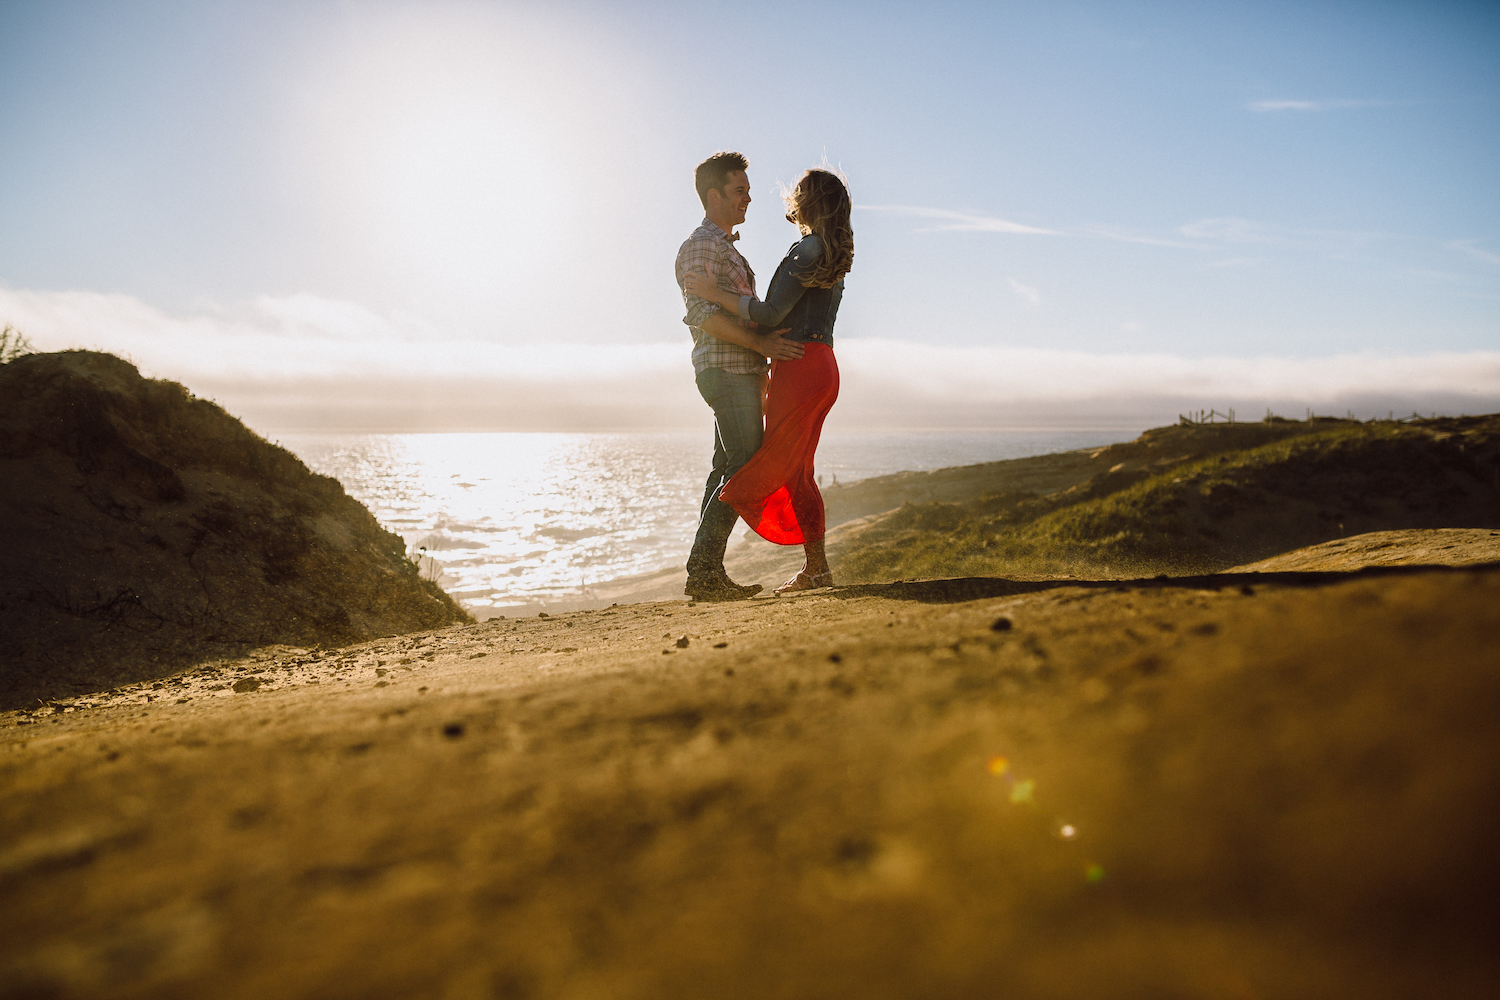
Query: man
pixel 729 359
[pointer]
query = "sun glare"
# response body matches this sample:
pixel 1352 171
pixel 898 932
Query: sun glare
pixel 441 147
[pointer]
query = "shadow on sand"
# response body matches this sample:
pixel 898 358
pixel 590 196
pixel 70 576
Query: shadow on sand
pixel 977 588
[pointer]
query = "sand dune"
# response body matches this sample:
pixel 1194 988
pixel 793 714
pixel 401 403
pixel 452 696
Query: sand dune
pixel 1270 784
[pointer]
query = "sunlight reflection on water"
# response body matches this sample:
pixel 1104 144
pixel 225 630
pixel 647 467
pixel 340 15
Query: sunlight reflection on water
pixel 521 518
pixel 516 517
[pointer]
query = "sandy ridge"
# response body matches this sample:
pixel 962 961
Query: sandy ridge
pixel 1225 785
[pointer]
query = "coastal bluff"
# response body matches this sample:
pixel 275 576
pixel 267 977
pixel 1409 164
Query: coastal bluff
pixel 146 530
pixel 1183 499
pixel 1274 780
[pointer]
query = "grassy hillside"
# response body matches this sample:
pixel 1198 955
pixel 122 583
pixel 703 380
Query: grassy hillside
pixel 1047 473
pixel 143 530
pixel 1200 499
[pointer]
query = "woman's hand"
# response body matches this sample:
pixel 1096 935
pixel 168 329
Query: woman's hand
pixel 696 283
pixel 701 285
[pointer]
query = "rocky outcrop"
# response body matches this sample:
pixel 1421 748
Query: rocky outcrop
pixel 145 529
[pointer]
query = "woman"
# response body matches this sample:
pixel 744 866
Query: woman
pixel 775 492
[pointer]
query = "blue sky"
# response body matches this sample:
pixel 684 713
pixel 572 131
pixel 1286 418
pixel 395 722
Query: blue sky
pixel 404 216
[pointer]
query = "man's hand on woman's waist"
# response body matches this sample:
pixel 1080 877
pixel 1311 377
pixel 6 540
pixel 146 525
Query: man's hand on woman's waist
pixel 776 347
pixel 769 343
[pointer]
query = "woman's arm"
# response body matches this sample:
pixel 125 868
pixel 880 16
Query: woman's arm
pixel 784 294
pixel 708 289
pixel 725 327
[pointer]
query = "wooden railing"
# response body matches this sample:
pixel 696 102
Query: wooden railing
pixel 1207 417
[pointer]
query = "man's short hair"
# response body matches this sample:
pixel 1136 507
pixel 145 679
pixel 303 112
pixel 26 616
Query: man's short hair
pixel 714 173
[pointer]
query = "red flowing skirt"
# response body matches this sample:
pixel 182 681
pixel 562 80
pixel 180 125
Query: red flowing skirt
pixel 775 491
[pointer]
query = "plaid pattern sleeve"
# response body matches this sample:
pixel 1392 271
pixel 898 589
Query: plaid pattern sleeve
pixel 709 250
pixel 700 253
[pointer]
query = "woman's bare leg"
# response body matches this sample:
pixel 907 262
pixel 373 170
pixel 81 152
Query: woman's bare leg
pixel 814 572
pixel 816 562
pixel 807 503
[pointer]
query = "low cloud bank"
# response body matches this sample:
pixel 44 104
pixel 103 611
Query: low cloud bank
pixel 1066 388
pixel 303 363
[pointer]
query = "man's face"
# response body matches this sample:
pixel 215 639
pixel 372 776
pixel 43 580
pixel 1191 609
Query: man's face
pixel 735 197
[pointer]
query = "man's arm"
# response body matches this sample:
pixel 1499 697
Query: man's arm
pixel 698 255
pixel 770 344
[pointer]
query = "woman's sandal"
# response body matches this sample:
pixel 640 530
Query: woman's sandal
pixel 805 581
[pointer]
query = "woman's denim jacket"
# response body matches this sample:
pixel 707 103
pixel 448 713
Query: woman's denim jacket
pixel 789 303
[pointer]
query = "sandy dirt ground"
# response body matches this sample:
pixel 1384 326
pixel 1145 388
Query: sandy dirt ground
pixel 1273 784
pixel 1424 547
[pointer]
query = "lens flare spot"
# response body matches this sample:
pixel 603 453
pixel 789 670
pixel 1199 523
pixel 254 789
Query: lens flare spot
pixel 1094 873
pixel 997 766
pixel 1067 831
pixel 1022 791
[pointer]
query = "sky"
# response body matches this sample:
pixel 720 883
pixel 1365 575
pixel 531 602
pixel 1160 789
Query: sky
pixel 404 216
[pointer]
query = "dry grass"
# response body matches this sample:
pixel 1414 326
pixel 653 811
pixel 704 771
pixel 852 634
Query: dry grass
pixel 1204 502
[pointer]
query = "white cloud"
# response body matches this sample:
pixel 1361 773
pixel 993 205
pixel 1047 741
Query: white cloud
pixel 294 336
pixel 1031 296
pixel 304 363
pixel 1304 105
pixel 928 385
pixel 966 222
pixel 1003 373
pixel 1283 105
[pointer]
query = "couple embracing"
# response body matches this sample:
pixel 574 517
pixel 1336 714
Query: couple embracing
pixel 766 419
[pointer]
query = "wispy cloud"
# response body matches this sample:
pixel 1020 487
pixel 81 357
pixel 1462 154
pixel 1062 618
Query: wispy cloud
pixel 1229 229
pixel 1472 248
pixel 965 222
pixel 1122 236
pixel 1233 230
pixel 1305 105
pixel 1031 296
pixel 1227 241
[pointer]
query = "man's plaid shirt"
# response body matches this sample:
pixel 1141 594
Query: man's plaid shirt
pixel 712 251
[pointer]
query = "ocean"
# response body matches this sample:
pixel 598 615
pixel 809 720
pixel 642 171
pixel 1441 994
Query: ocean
pixel 509 519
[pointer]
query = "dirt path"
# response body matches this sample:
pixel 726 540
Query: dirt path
pixel 1281 785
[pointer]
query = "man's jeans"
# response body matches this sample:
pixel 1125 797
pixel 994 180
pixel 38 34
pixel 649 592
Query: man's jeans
pixel 738 429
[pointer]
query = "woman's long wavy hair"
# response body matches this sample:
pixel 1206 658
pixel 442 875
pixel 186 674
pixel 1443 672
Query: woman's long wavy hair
pixel 819 203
